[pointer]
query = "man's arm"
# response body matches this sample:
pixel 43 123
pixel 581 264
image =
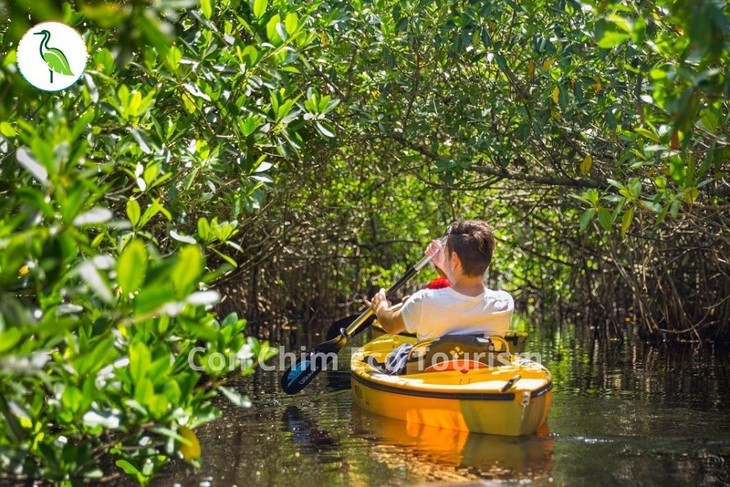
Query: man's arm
pixel 391 320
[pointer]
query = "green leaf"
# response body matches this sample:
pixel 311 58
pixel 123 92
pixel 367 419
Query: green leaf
pixel 292 22
pixel 82 123
pixel 251 56
pixel 132 266
pixel 605 219
pixel 103 352
pixel 188 268
pixel 127 467
pixel 677 169
pixel 173 57
pixel 171 390
pixel 72 398
pixel 651 206
pixel 325 128
pixel 259 8
pixel 586 165
pixel 501 62
pixel 707 120
pixel 612 39
pixel 139 361
pixel 133 211
pixel 151 211
pixel 647 133
pixel 135 104
pixel 691 195
pixel 674 209
pixel 235 397
pixel 206 8
pixel 204 230
pixel 586 218
pixel 271 33
pixel 6 129
pixel 225 257
pixel 32 165
pixel 626 221
pixel 9 338
pixel 160 368
pixel 153 297
pixel 96 281
pixel 635 187
pixel 130 469
pixel 154 30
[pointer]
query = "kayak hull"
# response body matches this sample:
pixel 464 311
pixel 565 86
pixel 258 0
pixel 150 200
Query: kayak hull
pixel 458 399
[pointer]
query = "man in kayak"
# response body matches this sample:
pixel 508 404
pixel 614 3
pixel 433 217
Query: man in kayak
pixel 467 306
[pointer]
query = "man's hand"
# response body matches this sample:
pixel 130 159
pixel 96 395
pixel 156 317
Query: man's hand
pixel 379 302
pixel 437 253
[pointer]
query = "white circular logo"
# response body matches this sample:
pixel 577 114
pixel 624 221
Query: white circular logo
pixel 51 56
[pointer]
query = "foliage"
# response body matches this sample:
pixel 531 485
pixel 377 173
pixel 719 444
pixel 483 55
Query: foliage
pixel 592 135
pixel 113 194
pixel 98 329
pixel 515 105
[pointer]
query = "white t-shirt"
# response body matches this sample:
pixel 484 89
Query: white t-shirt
pixel 431 313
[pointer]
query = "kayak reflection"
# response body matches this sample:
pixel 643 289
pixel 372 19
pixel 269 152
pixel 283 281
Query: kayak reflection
pixel 486 456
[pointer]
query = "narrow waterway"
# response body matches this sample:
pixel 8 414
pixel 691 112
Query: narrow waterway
pixel 622 414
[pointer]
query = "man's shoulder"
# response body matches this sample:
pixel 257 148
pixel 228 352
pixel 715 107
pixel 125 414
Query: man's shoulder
pixel 498 294
pixel 500 299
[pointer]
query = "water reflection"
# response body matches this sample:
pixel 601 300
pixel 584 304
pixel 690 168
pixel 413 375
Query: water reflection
pixel 482 456
pixel 306 432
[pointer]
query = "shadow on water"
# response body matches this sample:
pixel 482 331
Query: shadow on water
pixel 306 432
pixel 621 414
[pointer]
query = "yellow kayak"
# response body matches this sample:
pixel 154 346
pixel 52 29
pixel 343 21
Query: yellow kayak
pixel 462 383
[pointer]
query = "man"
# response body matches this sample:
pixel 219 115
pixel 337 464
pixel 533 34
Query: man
pixel 467 306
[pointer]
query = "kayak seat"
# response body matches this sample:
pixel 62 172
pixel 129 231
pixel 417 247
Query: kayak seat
pixel 517 340
pixel 457 352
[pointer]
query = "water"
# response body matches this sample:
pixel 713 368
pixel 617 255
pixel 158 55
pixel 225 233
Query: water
pixel 622 414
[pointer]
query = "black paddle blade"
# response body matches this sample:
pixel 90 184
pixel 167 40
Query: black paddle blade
pixel 304 370
pixel 338 326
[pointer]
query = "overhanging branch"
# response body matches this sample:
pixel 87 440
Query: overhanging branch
pixel 503 174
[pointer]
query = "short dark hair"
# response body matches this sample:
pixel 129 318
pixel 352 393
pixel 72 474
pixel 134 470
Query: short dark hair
pixel 473 242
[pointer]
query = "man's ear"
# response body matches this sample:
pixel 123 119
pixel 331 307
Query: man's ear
pixel 455 259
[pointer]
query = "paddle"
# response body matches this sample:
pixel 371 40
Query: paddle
pixel 338 326
pixel 314 361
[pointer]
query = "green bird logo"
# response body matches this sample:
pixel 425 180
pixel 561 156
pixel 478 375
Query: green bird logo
pixel 55 58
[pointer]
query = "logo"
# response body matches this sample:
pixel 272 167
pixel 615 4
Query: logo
pixel 51 56
pixel 456 352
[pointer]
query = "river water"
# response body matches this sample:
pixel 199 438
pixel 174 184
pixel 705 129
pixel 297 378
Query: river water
pixel 622 414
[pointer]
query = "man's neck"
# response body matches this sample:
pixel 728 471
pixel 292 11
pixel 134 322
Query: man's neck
pixel 468 285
